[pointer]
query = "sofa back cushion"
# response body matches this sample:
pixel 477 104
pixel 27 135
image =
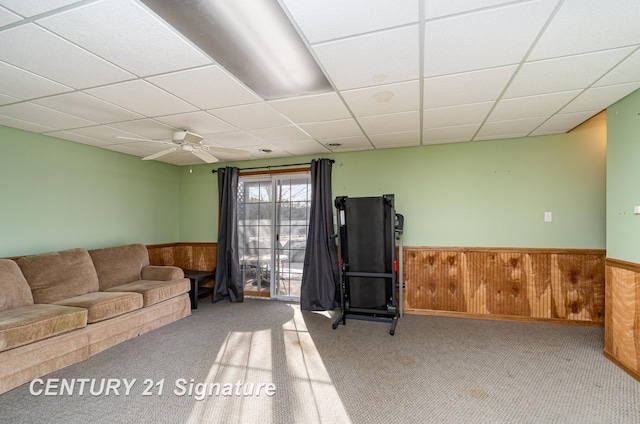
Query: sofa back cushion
pixel 119 265
pixel 59 275
pixel 14 290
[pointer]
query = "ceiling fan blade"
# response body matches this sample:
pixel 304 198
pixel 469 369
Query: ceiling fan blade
pixel 159 154
pixel 227 150
pixel 205 156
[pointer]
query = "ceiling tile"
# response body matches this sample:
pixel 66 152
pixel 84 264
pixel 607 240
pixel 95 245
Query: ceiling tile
pixel 125 33
pixel 451 116
pixel 281 135
pixel 25 85
pixel 207 88
pixel 142 97
pixel 316 108
pixel 449 134
pixel 274 151
pixel 467 87
pixel 7 17
pixel 509 129
pixel 563 122
pixel 78 138
pixel 250 117
pixel 147 128
pixel 57 59
pixel 449 48
pixel 397 139
pixel 30 112
pixel 599 98
pixel 363 61
pixel 304 148
pixel 348 144
pixel 105 133
pixel 5 100
pixel 383 99
pixel 85 106
pixel 582 26
pixel 331 19
pixel 531 106
pixel 129 149
pixel 565 73
pixel 625 72
pixel 237 139
pixel 391 123
pixel 35 7
pixel 439 8
pixel 199 122
pixel 115 63
pixel 332 129
pixel 23 125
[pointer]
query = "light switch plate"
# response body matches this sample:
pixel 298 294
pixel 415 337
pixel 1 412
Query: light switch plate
pixel 548 217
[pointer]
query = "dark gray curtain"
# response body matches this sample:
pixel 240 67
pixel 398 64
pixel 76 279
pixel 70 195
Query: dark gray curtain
pixel 228 279
pixel 320 276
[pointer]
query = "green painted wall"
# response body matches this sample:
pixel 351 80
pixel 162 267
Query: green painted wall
pixel 623 179
pixel 57 194
pixel 488 193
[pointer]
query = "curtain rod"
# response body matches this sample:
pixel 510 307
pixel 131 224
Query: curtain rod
pixel 274 166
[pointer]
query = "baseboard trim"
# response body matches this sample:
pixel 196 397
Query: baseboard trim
pixel 509 318
pixel 625 368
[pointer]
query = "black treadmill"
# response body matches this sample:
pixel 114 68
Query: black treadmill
pixel 368 228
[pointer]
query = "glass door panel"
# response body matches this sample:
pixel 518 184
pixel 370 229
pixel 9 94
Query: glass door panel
pixel 273 219
pixel 255 229
pixel 293 202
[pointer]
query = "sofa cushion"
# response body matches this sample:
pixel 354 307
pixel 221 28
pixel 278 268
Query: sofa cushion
pixel 119 265
pixel 161 273
pixel 27 324
pixel 59 275
pixel 155 291
pixel 102 306
pixel 14 289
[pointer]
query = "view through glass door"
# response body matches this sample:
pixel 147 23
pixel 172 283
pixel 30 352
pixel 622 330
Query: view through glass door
pixel 273 219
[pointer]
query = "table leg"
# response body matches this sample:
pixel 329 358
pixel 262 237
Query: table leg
pixel 193 294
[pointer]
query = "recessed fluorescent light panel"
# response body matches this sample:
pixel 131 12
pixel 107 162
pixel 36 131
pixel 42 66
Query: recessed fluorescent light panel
pixel 252 39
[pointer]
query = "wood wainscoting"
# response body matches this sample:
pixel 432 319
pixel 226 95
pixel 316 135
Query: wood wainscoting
pixel 622 317
pixel 195 256
pixel 550 285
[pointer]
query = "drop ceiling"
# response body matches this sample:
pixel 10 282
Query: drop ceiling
pixel 404 73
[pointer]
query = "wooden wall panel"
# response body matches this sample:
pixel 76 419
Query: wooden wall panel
pixel 434 280
pixel 528 283
pixel 577 283
pixel 504 279
pixel 196 256
pixel 622 327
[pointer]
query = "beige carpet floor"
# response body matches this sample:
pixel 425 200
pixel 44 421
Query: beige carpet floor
pixel 267 362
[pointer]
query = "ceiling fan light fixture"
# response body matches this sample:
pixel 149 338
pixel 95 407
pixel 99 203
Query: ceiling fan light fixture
pixel 186 137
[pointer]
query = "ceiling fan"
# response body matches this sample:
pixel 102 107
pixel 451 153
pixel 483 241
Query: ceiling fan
pixel 186 141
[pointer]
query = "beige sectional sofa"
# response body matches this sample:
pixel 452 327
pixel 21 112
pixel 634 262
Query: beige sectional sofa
pixel 60 308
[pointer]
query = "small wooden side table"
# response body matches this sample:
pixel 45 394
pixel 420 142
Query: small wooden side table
pixel 196 277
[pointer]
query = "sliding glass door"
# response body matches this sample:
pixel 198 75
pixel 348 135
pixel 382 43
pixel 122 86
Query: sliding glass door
pixel 273 218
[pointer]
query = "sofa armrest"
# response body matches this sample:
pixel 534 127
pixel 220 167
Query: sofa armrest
pixel 161 273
